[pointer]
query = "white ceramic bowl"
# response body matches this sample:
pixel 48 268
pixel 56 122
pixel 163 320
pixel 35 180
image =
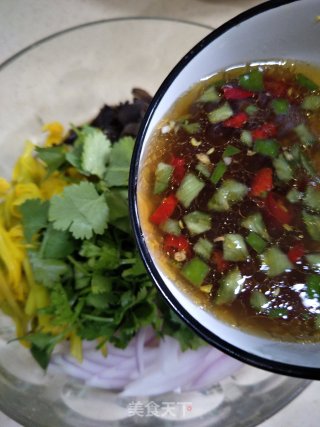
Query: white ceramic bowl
pixel 272 30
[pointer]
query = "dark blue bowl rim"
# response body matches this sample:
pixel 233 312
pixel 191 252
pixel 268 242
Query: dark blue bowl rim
pixel 211 338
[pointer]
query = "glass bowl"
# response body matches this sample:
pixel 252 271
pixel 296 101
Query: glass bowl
pixel 68 77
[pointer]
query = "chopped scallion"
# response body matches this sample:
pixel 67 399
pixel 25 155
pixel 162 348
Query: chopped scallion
pixel 189 189
pixel 163 174
pixel 256 242
pixel 311 102
pixel 256 224
pixel 203 169
pixel 171 226
pixel 275 262
pixel 230 151
pixel 312 222
pixel 304 134
pixel 191 127
pixel 218 172
pixel 267 147
pixel 229 193
pixel 234 248
pixel 197 222
pixel 220 114
pixel 312 198
pixel 246 138
pixel 195 271
pixel 251 109
pixel 282 168
pixel 258 301
pixel 252 81
pixel 209 95
pixel 230 286
pixel 294 195
pixel 203 248
pixel 280 106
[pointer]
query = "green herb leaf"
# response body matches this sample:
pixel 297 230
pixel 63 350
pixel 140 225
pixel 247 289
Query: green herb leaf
pixel 118 170
pixel 53 157
pixel 79 209
pixel 96 150
pixel 34 217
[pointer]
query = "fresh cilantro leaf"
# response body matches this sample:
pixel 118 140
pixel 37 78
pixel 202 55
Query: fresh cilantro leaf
pixel 100 301
pixel 96 150
pixel 53 157
pixel 59 306
pixel 42 346
pixel 74 156
pixel 137 269
pixel 101 284
pixel 34 217
pixel 57 244
pixel 118 209
pixel 118 169
pixel 79 209
pixel 47 271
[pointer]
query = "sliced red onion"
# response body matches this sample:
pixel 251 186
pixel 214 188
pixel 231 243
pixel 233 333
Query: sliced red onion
pixel 142 369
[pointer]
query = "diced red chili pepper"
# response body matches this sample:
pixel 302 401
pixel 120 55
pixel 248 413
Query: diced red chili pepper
pixel 221 264
pixel 262 182
pixel 267 130
pixel 164 210
pixel 277 88
pixel 230 92
pixel 174 244
pixel 237 121
pixel 296 252
pixel 278 208
pixel 179 170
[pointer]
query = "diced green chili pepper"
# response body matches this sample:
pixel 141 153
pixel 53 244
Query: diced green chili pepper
pixel 312 198
pixel 195 271
pixel 307 166
pixel 256 242
pixel 283 169
pixel 313 286
pixel 189 189
pixel 312 222
pixel 230 286
pixel 275 262
pixel 311 102
pixel 220 114
pixel 304 134
pixel 306 82
pixel 230 151
pixel 229 193
pixel 252 81
pixel 251 109
pixel 294 196
pixel 203 169
pixel 163 174
pixel 234 248
pixel 258 301
pixel 203 248
pixel 278 312
pixel 209 95
pixel 218 172
pixel 280 106
pixel 314 261
pixel 171 226
pixel 191 127
pixel 267 147
pixel 246 138
pixel 197 222
pixel 255 224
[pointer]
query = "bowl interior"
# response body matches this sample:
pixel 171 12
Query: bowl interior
pixel 271 31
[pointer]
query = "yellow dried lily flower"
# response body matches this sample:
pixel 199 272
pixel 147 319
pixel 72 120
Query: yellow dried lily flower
pixel 55 133
pixel 54 184
pixel 27 168
pixel 4 187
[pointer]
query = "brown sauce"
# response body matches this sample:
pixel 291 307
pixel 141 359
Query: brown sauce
pixel 292 307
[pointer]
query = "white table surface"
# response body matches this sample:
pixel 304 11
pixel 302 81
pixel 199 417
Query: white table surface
pixel 25 21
